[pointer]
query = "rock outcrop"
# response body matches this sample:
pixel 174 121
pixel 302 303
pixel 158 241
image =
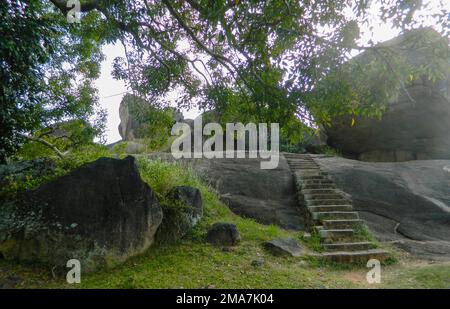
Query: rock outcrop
pixel 415 125
pixel 408 202
pixel 101 214
pixel 268 196
pixel 181 212
pixel 130 107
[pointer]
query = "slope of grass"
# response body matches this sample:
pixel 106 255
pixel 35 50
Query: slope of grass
pixel 421 277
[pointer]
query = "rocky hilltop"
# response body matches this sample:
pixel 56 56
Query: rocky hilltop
pixel 415 125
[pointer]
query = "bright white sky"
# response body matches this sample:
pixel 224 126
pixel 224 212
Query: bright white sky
pixel 111 91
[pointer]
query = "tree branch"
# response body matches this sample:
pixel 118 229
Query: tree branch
pixel 44 142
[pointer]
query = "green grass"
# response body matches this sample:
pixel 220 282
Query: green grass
pixel 314 242
pixel 428 277
pixel 362 233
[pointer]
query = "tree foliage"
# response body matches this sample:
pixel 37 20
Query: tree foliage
pixel 47 67
pixel 259 60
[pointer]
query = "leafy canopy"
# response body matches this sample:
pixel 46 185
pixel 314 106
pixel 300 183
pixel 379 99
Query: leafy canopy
pixel 259 60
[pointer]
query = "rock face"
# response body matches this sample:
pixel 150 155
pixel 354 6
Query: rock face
pixel 183 213
pixel 415 125
pixel 406 202
pixel 223 234
pixel 101 214
pixel 129 122
pixel 268 196
pixel 283 246
pixel 407 131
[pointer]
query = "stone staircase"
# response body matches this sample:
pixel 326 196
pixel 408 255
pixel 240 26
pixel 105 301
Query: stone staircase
pixel 332 215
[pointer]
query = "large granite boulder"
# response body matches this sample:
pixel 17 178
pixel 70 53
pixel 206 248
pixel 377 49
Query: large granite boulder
pixel 415 125
pixel 407 131
pixel 407 202
pixel 101 214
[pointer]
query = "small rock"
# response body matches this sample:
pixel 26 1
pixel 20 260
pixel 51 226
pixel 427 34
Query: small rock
pixel 223 234
pixel 227 249
pixel 257 262
pixel 283 246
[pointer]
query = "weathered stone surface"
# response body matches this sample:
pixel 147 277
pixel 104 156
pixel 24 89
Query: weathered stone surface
pixel 408 130
pixel 223 234
pixel 415 125
pixel 129 123
pixel 183 212
pixel 283 246
pixel 407 202
pixel 268 196
pixel 101 214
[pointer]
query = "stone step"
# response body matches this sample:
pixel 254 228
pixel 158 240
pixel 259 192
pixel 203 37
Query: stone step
pixel 329 196
pixel 304 169
pixel 296 155
pixel 299 170
pixel 319 191
pixel 323 181
pixel 341 224
pixel 324 208
pixel 327 215
pixel 305 157
pixel 307 162
pixel 313 177
pixel 340 201
pixel 303 162
pixel 330 236
pixel 349 246
pixel 362 256
pixel 318 186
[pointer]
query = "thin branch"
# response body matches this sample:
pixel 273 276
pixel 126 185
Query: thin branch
pixel 44 142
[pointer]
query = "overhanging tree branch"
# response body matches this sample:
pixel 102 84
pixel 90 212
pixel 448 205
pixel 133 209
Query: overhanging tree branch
pixel 45 143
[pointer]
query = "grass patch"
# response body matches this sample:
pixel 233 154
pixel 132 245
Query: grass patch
pixel 362 233
pixel 429 276
pixel 313 242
